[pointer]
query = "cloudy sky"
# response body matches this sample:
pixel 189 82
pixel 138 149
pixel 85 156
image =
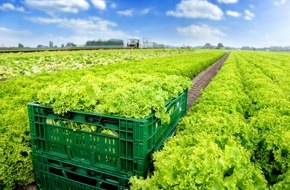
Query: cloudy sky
pixel 235 23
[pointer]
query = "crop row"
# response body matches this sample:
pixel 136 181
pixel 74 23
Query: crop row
pixel 15 64
pixel 237 134
pixel 15 146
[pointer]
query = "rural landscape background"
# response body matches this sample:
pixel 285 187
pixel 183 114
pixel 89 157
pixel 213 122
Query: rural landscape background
pixel 142 95
pixel 235 23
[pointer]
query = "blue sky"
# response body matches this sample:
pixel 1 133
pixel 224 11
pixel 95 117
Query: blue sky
pixel 235 23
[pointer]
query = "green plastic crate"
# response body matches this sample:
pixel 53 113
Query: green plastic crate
pixel 127 150
pixel 52 174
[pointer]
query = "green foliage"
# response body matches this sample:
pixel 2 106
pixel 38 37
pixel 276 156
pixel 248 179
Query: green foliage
pixel 15 151
pixel 202 161
pixel 241 120
pixel 30 73
pixel 273 155
pixel 119 93
pixel 272 151
pixel 17 64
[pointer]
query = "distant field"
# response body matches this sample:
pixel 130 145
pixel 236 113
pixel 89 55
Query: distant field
pixel 23 63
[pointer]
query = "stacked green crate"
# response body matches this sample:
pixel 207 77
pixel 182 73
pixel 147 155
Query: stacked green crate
pixel 118 149
pixel 90 150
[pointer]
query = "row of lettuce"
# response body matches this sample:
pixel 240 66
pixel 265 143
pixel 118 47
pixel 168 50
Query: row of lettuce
pixel 16 64
pixel 130 95
pixel 71 87
pixel 237 135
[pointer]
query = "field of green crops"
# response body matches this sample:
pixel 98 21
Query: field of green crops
pixel 236 136
pixel 75 79
pixel 16 64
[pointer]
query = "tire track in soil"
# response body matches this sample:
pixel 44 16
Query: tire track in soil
pixel 203 79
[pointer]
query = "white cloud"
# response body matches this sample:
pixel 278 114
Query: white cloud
pixel 131 12
pixel 279 2
pixel 145 11
pixel 90 28
pixel 99 4
pixel 78 25
pixel 4 30
pixel 76 30
pixel 113 5
pixel 233 13
pixel 274 40
pixel 249 15
pixel 201 33
pixel 252 6
pixel 11 7
pixel 197 9
pixel 128 12
pixel 227 1
pixel 11 37
pixel 55 6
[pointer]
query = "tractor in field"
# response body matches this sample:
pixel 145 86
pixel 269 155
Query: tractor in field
pixel 133 43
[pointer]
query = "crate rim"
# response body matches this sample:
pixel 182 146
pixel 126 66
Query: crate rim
pixel 168 104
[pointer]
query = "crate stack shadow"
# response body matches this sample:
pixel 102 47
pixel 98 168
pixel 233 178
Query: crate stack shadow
pixel 86 150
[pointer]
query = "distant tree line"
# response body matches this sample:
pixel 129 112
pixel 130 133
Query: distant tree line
pixel 111 42
pixel 147 44
pixel 209 46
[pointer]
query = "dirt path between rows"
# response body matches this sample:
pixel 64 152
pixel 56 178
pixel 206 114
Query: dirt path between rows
pixel 203 79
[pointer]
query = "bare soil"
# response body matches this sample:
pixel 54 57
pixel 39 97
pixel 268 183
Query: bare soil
pixel 203 79
pixel 29 187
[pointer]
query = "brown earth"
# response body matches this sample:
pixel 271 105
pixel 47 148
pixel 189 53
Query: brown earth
pixel 203 79
pixel 30 187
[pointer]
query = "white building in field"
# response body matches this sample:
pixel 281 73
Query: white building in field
pixel 50 44
pixel 147 43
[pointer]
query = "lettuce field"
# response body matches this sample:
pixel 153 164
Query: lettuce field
pixel 236 136
pixel 13 65
pixel 21 84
